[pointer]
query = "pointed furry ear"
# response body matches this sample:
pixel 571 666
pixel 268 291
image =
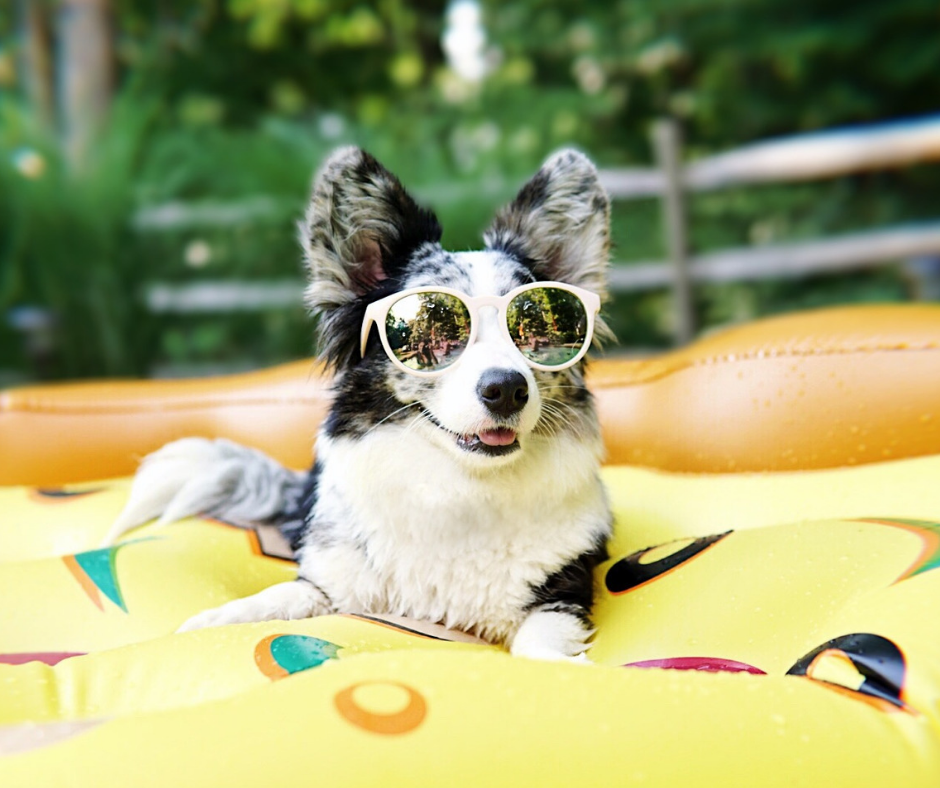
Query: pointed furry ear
pixel 360 228
pixel 559 223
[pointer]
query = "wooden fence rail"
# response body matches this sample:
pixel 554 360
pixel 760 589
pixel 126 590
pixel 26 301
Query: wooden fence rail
pixel 780 261
pixel 802 157
pixel 838 254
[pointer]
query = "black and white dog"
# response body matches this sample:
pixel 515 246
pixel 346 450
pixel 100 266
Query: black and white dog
pixel 456 475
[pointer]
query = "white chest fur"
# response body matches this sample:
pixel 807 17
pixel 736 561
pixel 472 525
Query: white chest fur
pixel 402 528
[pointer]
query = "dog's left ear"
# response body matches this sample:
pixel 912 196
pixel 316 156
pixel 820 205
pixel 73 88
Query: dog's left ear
pixel 559 223
pixel 360 229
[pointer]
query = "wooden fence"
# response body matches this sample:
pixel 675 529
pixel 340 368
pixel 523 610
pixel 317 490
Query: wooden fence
pixel 803 157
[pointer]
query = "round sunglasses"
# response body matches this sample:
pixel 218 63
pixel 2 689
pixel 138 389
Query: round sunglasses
pixel 424 330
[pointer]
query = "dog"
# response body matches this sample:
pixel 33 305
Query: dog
pixel 456 477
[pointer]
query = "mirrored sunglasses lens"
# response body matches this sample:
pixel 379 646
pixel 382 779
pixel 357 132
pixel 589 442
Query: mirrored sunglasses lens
pixel 548 325
pixel 427 331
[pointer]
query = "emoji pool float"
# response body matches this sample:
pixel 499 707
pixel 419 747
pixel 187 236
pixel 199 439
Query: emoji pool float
pixel 770 614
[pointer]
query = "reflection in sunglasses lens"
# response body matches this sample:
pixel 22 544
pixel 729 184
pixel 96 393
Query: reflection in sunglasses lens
pixel 548 325
pixel 427 331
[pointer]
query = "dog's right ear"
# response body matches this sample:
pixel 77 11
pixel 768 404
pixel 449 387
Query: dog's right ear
pixel 559 223
pixel 361 228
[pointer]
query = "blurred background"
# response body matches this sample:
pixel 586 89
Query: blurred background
pixel 156 154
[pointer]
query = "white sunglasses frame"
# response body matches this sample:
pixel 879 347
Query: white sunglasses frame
pixel 377 311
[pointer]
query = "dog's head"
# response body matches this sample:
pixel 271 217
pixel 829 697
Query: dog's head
pixel 365 239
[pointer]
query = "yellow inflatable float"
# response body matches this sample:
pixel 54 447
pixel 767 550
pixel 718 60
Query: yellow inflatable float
pixel 769 615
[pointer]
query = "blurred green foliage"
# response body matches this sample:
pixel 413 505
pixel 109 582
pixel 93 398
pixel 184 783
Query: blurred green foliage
pixel 223 101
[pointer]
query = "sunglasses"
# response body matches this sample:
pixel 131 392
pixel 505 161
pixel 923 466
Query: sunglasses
pixel 424 330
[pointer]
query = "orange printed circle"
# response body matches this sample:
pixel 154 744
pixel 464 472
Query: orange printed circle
pixel 403 721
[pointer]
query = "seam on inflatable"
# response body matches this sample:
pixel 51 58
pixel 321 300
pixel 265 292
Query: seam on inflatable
pixel 28 405
pixel 761 355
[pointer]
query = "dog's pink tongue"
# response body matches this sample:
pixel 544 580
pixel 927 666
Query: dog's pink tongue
pixel 499 437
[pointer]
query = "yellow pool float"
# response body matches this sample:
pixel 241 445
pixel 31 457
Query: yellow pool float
pixel 769 614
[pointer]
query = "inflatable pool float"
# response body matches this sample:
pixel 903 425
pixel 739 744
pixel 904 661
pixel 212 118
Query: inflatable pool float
pixel 769 614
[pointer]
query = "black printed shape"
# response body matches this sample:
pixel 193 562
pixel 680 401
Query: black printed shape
pixel 878 659
pixel 629 573
pixel 59 494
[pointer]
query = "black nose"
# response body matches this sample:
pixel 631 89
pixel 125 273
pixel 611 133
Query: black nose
pixel 503 391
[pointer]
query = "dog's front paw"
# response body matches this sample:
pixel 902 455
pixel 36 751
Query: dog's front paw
pixel 552 636
pixel 282 602
pixel 215 617
pixel 238 611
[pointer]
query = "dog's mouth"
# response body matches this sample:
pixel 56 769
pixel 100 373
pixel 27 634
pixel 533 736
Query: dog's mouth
pixel 494 442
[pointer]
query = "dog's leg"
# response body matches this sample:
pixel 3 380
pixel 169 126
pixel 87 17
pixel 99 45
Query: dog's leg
pixel 282 602
pixel 200 476
pixel 558 625
pixel 552 635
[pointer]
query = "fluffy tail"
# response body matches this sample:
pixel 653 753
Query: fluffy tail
pixel 215 477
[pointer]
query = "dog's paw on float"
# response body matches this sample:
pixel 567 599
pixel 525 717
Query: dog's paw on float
pixel 282 602
pixel 552 636
pixel 201 476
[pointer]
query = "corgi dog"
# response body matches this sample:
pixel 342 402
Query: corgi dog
pixel 456 477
